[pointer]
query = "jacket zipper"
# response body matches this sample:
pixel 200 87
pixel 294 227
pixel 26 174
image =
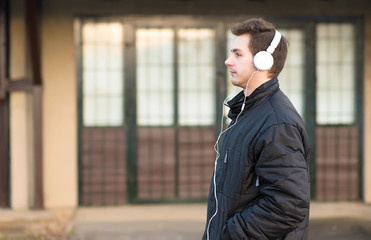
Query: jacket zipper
pixel 233 123
pixel 226 157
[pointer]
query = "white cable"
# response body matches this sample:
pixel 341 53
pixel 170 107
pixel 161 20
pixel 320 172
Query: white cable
pixel 216 148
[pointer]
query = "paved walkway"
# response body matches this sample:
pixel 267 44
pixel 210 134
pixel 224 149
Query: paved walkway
pixel 186 222
pixel 330 221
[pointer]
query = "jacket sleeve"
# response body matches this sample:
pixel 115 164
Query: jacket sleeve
pixel 284 183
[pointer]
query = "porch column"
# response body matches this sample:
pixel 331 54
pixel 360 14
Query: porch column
pixel 21 151
pixel 21 120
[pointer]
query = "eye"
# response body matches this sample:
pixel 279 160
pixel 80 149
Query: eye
pixel 238 55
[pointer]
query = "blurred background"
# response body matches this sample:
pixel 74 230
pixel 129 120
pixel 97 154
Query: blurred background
pixel 114 102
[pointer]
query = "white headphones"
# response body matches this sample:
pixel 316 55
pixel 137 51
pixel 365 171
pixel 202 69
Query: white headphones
pixel 263 60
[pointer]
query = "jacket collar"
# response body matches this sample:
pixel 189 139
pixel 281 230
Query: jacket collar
pixel 263 91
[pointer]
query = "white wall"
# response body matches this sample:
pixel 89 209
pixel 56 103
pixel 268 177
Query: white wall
pixel 60 112
pixel 21 138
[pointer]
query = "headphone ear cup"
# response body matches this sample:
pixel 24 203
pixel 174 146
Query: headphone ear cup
pixel 263 60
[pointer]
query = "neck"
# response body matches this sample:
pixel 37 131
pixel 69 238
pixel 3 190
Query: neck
pixel 257 80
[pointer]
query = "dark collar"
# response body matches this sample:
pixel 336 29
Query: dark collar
pixel 263 91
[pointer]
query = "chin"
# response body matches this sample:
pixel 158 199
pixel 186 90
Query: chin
pixel 236 84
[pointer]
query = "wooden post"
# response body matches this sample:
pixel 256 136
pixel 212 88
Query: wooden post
pixel 32 13
pixel 4 105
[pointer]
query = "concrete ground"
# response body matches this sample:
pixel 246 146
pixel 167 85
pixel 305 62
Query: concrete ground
pixel 328 221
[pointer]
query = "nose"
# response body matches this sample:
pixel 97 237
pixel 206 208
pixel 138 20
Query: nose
pixel 228 62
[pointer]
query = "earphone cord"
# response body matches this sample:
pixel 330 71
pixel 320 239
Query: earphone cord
pixel 216 145
pixel 216 148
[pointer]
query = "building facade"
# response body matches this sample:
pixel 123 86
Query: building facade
pixel 116 102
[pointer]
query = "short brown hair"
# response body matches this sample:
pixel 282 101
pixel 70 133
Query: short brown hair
pixel 262 33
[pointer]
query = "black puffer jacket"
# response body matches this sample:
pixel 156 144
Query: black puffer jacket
pixel 262 174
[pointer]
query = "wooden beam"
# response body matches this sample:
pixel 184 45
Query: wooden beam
pixel 4 106
pixel 24 84
pixel 38 140
pixel 4 154
pixel 32 14
pixel 4 27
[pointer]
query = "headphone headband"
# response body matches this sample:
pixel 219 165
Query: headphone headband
pixel 276 40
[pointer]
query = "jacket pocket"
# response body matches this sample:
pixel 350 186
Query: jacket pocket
pixel 221 170
pixel 234 168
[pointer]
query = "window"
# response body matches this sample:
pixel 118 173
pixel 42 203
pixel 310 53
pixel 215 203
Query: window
pixel 102 74
pixel 335 55
pixel 159 99
pixel 196 77
pixel 155 84
pixel 291 78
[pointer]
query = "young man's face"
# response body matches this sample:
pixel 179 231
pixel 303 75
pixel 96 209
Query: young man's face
pixel 240 63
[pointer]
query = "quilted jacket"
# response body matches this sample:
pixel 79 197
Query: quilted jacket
pixel 262 174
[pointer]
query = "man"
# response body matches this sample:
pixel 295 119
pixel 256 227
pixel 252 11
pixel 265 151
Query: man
pixel 261 187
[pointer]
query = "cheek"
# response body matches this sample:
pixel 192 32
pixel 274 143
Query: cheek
pixel 249 63
pixel 244 64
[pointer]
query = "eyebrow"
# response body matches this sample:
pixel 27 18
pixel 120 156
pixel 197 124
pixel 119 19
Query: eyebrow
pixel 236 50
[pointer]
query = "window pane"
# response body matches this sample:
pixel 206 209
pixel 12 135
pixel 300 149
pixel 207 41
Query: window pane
pixel 154 52
pixel 102 73
pixel 196 77
pixel 335 73
pixel 291 78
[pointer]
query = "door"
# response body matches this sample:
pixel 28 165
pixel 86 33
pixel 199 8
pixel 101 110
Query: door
pixel 338 112
pixel 147 110
pixel 175 110
pixel 102 122
pixel 322 79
